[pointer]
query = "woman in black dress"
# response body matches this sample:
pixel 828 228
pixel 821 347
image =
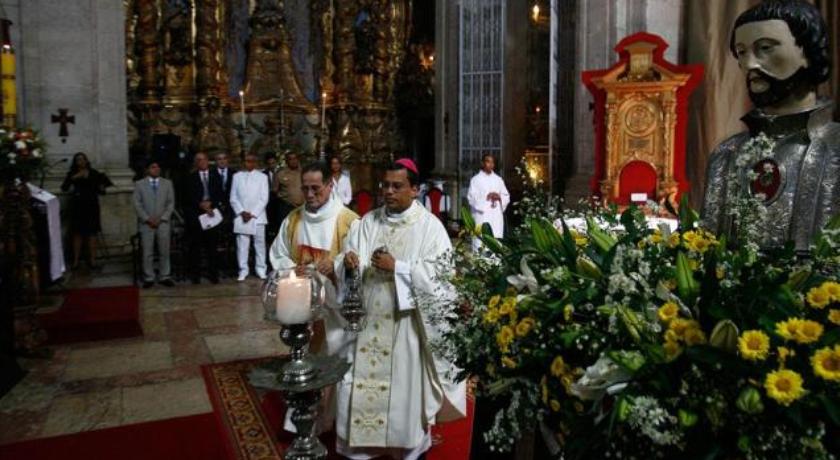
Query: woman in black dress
pixel 85 184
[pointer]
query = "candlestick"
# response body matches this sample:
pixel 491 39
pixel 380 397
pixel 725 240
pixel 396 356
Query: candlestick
pixel 242 106
pixel 323 110
pixel 293 300
pixel 282 115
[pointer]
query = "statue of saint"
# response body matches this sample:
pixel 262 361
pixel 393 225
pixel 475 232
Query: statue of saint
pixel 782 48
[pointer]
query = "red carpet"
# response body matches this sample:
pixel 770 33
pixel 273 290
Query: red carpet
pixel 185 438
pixel 94 314
pixel 251 420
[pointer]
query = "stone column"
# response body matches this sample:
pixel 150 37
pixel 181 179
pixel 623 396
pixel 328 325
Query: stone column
pixel 207 46
pixel 72 56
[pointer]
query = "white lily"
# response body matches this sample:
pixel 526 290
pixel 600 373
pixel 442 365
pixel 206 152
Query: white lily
pixel 605 376
pixel 526 279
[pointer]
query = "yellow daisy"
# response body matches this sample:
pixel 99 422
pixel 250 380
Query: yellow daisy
pixel 826 363
pixel 784 386
pixel 494 301
pixel 491 316
pixel 818 297
pixel 504 338
pixel 832 288
pixel 672 350
pixel 558 367
pixel 555 405
pixel 694 336
pixel 668 311
pixel 508 306
pixel 568 310
pixel 525 326
pixel 834 316
pixel 809 332
pixel 754 345
pixel 509 362
pixel 788 328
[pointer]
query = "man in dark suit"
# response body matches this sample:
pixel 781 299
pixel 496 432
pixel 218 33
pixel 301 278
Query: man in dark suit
pixel 225 173
pixel 204 196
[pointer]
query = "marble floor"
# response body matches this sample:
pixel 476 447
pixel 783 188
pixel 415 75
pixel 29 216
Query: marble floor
pixel 94 385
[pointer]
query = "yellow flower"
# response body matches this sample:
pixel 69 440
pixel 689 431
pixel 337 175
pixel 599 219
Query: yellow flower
pixel 673 240
pixel 809 332
pixel 544 389
pixel 672 350
pixel 680 326
pixel 656 237
pixel 720 272
pixel 671 336
pixel 504 338
pixel 508 306
pixel 754 345
pixel 494 301
pixel 509 362
pixel 784 386
pixel 834 316
pixel 568 310
pixel 558 367
pixel 832 288
pixel 525 326
pixel 694 336
pixel 492 316
pixel 784 354
pixel 555 405
pixel 826 363
pixel 789 328
pixel 693 264
pixel 818 297
pixel 668 311
pixel 580 239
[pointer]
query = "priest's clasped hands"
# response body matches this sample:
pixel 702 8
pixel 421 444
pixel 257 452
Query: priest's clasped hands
pixel 381 259
pixel 493 197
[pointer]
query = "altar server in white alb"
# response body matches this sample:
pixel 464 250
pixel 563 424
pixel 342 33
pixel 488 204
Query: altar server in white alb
pixel 488 197
pixel 248 199
pixel 397 386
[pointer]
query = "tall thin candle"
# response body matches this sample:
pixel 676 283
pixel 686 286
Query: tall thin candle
pixel 242 106
pixel 323 110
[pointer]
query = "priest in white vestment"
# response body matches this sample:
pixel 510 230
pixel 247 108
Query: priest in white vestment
pixel 488 198
pixel 248 199
pixel 397 388
pixel 314 234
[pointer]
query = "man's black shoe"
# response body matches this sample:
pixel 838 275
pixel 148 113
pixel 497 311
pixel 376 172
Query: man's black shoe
pixel 167 282
pixel 147 284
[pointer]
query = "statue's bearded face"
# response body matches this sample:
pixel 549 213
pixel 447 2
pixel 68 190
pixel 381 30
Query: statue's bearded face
pixel 772 61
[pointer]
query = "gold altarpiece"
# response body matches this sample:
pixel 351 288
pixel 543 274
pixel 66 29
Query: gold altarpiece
pixel 179 82
pixel 640 118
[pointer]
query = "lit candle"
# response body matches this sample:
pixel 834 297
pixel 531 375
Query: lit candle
pixel 323 110
pixel 242 106
pixel 293 300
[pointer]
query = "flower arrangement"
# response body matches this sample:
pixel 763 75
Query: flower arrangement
pixel 21 153
pixel 622 341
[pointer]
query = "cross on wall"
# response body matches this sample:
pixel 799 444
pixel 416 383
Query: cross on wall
pixel 63 119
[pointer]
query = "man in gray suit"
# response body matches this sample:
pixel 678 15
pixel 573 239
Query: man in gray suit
pixel 154 201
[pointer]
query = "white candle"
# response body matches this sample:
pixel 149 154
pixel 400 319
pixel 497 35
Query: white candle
pixel 242 106
pixel 293 298
pixel 323 110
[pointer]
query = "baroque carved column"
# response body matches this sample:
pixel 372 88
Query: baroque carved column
pixel 207 48
pixel 147 37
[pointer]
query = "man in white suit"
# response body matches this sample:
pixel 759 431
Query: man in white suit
pixel 154 201
pixel 248 199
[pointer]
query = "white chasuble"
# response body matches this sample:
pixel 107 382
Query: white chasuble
pixel 396 387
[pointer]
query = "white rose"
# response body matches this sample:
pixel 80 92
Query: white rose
pixel 11 156
pixel 36 153
pixel 20 145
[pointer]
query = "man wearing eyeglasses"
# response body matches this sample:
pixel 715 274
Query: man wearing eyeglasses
pixel 397 386
pixel 248 199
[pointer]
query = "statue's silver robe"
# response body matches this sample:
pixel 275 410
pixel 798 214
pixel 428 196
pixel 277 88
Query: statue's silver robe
pixel 808 150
